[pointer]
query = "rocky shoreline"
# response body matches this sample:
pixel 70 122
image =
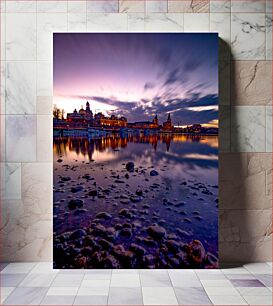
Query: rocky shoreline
pixel 110 220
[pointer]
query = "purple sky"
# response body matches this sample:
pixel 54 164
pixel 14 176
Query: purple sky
pixel 139 75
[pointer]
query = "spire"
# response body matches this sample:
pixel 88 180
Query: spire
pixel 169 117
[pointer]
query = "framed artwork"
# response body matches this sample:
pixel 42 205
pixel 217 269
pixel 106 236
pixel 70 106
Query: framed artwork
pixel 135 144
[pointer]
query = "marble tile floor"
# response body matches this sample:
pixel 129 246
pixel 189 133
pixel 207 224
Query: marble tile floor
pixel 38 284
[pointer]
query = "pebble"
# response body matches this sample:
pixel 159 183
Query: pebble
pixel 153 173
pixel 156 231
pixel 104 215
pixel 130 167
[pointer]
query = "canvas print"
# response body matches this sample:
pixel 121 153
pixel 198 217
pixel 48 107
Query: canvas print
pixel 135 142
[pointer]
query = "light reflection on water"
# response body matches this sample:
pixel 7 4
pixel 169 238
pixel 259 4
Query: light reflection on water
pixel 189 156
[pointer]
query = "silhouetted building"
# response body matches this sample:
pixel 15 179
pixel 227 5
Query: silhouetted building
pixel 167 125
pixel 145 124
pixel 113 121
pixel 83 115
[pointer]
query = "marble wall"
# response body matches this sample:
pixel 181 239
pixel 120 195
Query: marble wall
pixel 245 28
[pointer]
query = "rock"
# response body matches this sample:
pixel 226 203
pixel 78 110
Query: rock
pixel 173 246
pixel 65 178
pixel 118 250
pixel 127 225
pixel 125 213
pixel 119 181
pixel 80 233
pixel 103 215
pixel 139 250
pixel 59 160
pixel 76 189
pixel 126 232
pixel 126 176
pixel 111 263
pixel 106 245
pixel 187 220
pixel 75 203
pixel 80 261
pixel 179 204
pixel 156 231
pixel 197 252
pixel 139 192
pixel 93 193
pixel 153 173
pixel 130 167
pixel 87 251
pixel 125 201
pixel 211 261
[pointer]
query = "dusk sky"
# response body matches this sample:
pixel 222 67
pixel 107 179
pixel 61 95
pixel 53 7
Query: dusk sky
pixel 139 75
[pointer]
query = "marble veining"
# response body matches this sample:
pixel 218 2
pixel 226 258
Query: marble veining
pixel 188 6
pixel 252 83
pixel 77 6
pixel 171 22
pixel 102 6
pixel 20 94
pixel 136 22
pixel 248 36
pixel 20 36
pixel 57 6
pixel 249 6
pixel 268 128
pixel 106 22
pixel 156 6
pixel 47 23
pixel 220 6
pixel 20 138
pixel 268 25
pixel 248 129
pixel 77 22
pixel 12 181
pixel 21 6
pixel 131 6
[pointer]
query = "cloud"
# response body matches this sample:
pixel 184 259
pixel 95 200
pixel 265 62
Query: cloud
pixel 149 85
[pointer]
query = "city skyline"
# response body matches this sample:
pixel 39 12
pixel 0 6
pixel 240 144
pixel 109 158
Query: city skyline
pixel 139 75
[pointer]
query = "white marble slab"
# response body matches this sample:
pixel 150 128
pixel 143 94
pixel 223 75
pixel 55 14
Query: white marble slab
pixel 269 6
pixel 160 22
pixel 20 88
pixel 57 6
pixel 47 24
pixel 248 129
pixel 20 36
pixel 3 36
pixel 77 6
pixel 136 22
pixel 156 6
pixel 159 296
pixel 102 6
pixel 21 6
pixel 3 87
pixel 220 6
pixel 44 105
pixel 77 22
pixel 37 189
pixel 12 184
pixel 268 128
pixel 44 78
pixel 248 6
pixel 268 24
pixel 220 23
pixel 196 22
pixel 44 138
pixel 248 36
pixel 106 22
pixel 3 138
pixel 131 6
pixel 20 138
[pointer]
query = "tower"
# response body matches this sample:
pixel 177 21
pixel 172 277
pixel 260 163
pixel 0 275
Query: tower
pixel 155 120
pixel 87 107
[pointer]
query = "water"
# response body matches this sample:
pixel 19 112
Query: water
pixel 182 197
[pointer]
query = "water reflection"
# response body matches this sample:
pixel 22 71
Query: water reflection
pixel 206 147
